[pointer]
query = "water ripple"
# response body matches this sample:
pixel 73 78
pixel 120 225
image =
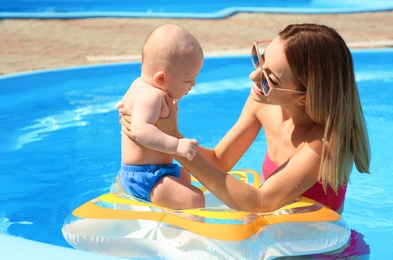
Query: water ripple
pixel 64 119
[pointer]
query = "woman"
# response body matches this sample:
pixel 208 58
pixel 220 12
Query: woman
pixel 305 97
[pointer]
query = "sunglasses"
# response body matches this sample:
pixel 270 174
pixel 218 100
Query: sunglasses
pixel 258 59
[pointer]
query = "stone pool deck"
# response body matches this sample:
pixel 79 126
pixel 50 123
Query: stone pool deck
pixel 36 44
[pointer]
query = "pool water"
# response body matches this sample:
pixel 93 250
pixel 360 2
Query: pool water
pixel 60 141
pixel 178 9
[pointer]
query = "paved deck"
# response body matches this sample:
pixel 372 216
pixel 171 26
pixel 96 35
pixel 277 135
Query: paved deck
pixel 34 44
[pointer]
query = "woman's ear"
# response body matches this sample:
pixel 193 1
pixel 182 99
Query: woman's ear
pixel 159 77
pixel 302 100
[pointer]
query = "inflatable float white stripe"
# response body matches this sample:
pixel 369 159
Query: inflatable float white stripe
pixel 118 224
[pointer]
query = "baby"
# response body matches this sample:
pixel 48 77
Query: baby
pixel 171 61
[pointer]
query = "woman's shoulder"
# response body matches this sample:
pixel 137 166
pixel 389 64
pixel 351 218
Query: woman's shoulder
pixel 315 138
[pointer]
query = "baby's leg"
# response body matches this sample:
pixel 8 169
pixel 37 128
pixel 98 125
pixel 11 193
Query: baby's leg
pixel 177 193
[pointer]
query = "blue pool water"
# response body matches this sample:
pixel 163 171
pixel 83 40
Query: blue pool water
pixel 60 142
pixel 178 9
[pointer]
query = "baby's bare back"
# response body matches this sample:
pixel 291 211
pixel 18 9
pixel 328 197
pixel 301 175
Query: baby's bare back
pixel 133 152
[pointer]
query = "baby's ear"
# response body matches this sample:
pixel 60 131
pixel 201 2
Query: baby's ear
pixel 159 77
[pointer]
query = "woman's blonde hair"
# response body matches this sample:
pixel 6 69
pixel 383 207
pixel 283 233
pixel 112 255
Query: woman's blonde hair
pixel 322 63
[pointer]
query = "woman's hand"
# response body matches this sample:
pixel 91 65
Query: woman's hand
pixel 125 119
pixel 168 125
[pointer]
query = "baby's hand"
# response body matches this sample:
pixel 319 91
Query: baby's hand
pixel 187 148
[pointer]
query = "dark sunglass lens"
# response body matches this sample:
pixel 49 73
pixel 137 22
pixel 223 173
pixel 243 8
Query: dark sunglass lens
pixel 255 61
pixel 254 58
pixel 265 86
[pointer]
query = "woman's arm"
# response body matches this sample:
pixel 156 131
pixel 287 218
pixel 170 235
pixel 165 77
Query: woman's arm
pixel 231 147
pixel 289 181
pixel 280 189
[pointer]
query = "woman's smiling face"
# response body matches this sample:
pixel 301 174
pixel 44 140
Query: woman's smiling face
pixel 276 67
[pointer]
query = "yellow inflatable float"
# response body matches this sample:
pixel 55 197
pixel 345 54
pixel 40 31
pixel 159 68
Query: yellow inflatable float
pixel 121 225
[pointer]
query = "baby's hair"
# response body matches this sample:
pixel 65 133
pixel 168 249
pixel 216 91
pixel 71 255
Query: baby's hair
pixel 168 44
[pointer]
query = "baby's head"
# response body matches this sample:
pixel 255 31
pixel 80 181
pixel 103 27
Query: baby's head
pixel 171 59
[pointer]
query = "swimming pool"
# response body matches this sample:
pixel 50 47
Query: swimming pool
pixel 179 9
pixel 60 140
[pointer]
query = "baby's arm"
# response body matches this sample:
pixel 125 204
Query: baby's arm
pixel 146 111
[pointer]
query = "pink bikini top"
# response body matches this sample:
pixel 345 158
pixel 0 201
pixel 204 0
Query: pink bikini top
pixel 316 192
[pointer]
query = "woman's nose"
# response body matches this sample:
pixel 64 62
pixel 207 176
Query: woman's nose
pixel 255 75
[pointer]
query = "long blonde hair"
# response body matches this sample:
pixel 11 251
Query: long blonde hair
pixel 322 63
